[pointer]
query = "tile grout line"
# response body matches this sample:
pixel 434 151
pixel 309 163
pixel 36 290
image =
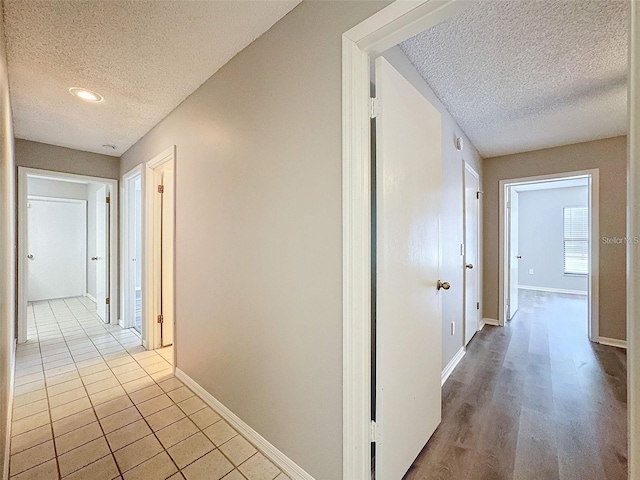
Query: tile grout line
pixel 89 337
pixel 104 436
pixel 139 412
pixel 55 451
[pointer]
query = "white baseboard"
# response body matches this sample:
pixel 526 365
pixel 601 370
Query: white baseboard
pixel 552 290
pixel 489 321
pixel 91 297
pixel 7 445
pixel 612 342
pixel 452 365
pixel 284 463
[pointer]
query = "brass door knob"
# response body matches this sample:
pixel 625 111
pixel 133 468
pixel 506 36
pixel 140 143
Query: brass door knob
pixel 30 257
pixel 443 285
pixel 469 266
pixel 518 257
pixel 94 258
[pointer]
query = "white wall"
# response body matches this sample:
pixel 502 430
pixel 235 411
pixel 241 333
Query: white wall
pixel 56 188
pixel 452 217
pixel 7 250
pixel 259 232
pixel 541 238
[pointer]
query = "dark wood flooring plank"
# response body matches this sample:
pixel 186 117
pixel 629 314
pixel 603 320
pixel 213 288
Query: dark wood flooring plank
pixel 534 400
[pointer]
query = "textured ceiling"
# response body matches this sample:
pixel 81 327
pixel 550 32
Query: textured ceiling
pixel 520 75
pixel 143 56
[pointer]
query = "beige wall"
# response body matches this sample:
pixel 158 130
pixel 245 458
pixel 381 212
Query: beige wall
pixel 259 232
pixel 61 159
pixel 452 218
pixel 610 157
pixel 7 250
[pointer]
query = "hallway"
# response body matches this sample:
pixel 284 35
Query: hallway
pixel 91 403
pixel 534 400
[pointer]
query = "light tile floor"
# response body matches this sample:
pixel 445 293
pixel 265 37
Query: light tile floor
pixel 91 403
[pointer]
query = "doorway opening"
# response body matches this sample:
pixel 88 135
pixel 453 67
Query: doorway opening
pixel 361 46
pixel 472 266
pixel 67 242
pixel 160 252
pixel 132 243
pixel 549 242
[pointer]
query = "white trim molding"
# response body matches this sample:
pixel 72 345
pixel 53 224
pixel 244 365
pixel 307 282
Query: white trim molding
pixel 127 320
pixel 284 463
pixel 150 285
pixel 490 321
pixel 451 366
pixel 612 342
pixel 552 290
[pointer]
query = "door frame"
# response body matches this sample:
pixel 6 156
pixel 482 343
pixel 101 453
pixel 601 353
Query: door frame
pixel 594 244
pixel 23 173
pixel 84 225
pixel 468 168
pixel 151 334
pixel 386 28
pixel 360 45
pixel 125 247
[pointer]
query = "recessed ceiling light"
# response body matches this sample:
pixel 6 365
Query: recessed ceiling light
pixel 86 95
pixel 109 147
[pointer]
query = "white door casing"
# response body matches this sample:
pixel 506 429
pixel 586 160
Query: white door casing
pixel 513 222
pixel 159 251
pixel 167 255
pixel 57 242
pixel 471 253
pixel 131 245
pixel 102 252
pixel 408 306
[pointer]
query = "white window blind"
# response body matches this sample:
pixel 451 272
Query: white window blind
pixel 576 240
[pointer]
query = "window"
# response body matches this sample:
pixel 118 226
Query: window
pixel 576 240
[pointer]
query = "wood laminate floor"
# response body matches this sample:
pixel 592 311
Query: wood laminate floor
pixel 533 400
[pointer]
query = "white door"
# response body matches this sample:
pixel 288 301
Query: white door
pixel 471 210
pixel 57 239
pixel 102 253
pixel 167 256
pixel 514 256
pixel 132 257
pixel 408 305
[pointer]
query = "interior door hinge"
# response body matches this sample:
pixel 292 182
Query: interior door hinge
pixel 477 305
pixel 160 319
pixel 478 193
pixel 374 107
pixel 508 204
pixel 376 435
pixel 160 188
pixel 108 301
pixel 108 199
